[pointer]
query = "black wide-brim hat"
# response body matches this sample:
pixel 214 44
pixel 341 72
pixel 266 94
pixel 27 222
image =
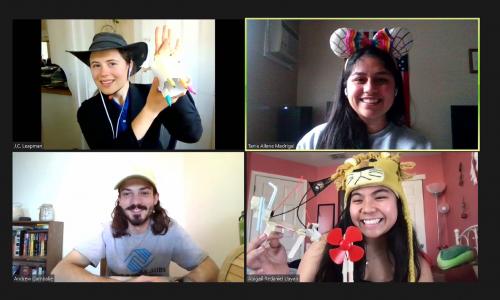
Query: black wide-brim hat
pixel 107 40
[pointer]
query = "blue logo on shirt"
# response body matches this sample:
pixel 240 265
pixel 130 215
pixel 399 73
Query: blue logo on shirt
pixel 138 259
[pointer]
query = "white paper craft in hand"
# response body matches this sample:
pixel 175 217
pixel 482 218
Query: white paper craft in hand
pixel 173 80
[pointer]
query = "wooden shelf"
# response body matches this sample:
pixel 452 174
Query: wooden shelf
pixel 54 244
pixel 30 223
pixel 30 258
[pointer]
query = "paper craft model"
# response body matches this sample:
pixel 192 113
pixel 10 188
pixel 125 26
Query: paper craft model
pixel 264 215
pixel 173 81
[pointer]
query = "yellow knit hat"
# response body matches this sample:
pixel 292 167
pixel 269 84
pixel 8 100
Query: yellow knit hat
pixel 378 169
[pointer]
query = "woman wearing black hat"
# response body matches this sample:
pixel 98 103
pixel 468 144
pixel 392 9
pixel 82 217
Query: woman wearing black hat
pixel 123 115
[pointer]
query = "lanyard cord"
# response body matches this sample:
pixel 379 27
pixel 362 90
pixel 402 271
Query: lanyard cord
pixel 115 136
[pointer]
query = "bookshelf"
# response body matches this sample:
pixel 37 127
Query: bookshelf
pixel 45 251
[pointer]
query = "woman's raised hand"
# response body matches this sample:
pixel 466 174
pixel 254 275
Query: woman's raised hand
pixel 163 40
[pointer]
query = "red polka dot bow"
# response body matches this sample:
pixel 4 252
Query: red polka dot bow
pixel 346 249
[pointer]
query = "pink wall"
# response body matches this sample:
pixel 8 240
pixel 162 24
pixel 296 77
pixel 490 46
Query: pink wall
pixel 438 167
pixel 431 167
pixel 328 196
pixel 455 193
pixel 443 167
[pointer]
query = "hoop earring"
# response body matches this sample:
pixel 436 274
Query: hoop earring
pixel 345 92
pixel 395 92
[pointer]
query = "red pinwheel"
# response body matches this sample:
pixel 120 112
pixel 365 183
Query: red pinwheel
pixel 354 253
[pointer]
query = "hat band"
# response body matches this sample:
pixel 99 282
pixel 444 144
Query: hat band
pixel 103 45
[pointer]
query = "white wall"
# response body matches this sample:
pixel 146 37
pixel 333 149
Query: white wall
pixel 202 191
pixel 198 53
pixel 439 70
pixel 269 85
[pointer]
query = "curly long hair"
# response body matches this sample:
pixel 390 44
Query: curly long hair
pixel 344 129
pixel 159 217
pixel 397 242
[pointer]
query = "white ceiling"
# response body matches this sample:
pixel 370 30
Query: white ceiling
pixel 321 159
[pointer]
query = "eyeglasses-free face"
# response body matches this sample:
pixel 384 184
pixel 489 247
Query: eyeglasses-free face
pixel 109 70
pixel 370 89
pixel 137 199
pixel 373 210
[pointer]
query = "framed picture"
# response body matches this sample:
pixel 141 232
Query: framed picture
pixel 473 66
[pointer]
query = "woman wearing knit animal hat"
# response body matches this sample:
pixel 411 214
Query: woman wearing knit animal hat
pixel 123 115
pixel 376 204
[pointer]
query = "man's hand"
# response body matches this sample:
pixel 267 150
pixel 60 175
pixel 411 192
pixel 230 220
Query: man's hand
pixel 267 259
pixel 72 269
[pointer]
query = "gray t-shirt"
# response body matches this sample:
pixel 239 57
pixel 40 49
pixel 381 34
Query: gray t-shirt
pixel 143 254
pixel 391 137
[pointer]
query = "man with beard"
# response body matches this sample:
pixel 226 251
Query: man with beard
pixel 140 242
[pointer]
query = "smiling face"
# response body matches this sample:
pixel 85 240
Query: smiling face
pixel 109 70
pixel 137 199
pixel 370 89
pixel 373 210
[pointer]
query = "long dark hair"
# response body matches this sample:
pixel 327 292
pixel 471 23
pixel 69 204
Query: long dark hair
pixel 344 129
pixel 397 242
pixel 159 217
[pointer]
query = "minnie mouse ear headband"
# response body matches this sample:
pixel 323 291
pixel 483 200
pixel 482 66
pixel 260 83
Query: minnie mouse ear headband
pixel 395 41
pixel 108 40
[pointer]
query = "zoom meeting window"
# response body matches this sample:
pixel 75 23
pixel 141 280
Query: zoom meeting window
pixel 77 101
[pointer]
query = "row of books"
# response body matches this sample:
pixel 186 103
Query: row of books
pixel 29 241
pixel 28 271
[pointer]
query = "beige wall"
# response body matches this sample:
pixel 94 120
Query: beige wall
pixel 270 85
pixel 439 70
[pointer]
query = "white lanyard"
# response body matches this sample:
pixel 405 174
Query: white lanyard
pixel 115 135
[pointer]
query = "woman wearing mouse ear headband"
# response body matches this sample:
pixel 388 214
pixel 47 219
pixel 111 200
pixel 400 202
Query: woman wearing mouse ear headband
pixel 123 115
pixel 368 111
